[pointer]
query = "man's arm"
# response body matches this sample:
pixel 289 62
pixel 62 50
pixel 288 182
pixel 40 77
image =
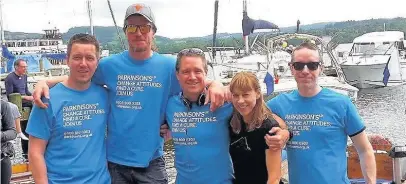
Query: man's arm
pixel 366 156
pixel 9 132
pixel 42 89
pixel 215 94
pixel 39 128
pixel 37 162
pixel 9 86
pixel 355 128
pixel 27 92
pixel 282 135
pixel 273 165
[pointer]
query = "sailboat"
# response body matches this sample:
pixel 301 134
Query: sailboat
pixel 267 57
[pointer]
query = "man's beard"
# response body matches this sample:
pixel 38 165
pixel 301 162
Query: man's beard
pixel 139 49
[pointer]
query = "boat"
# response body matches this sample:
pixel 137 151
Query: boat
pixel 269 56
pixel 51 42
pixel 376 59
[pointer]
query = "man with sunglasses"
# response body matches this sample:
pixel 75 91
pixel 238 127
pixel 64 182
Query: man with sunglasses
pixel 140 82
pixel 321 121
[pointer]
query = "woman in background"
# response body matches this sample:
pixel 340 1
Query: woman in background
pixel 252 160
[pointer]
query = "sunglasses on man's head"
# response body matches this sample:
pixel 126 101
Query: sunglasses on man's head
pixel 144 29
pixel 191 51
pixel 310 65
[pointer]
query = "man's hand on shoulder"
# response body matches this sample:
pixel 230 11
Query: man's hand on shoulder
pixel 41 89
pixel 278 139
pixel 215 94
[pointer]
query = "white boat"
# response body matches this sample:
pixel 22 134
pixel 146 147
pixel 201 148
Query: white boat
pixel 376 59
pixel 277 60
pixel 51 42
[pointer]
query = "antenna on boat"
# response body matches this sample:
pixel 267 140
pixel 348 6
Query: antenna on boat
pixel 115 24
pixel 244 13
pixel 89 11
pixel 297 26
pixel 216 8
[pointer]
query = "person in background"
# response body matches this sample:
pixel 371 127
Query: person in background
pixel 16 82
pixel 17 120
pixel 8 133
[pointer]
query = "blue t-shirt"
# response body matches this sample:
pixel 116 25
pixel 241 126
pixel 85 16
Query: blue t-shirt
pixel 138 93
pixel 201 142
pixel 320 124
pixel 74 124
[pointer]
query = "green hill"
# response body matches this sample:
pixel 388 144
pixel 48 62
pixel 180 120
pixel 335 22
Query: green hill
pixel 344 31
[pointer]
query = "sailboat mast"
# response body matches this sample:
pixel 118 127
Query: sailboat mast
pixel 246 42
pixel 1 23
pixel 216 8
pixel 89 11
pixel 115 24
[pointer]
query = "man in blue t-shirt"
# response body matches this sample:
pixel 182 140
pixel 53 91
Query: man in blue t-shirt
pixel 200 137
pixel 321 121
pixel 67 139
pixel 140 82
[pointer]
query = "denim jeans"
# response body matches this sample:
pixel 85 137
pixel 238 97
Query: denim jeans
pixel 155 173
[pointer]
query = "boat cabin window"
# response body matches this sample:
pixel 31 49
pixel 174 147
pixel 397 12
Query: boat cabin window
pixel 43 43
pixel 53 42
pixel 11 44
pixel 360 49
pixel 21 44
pixel 32 44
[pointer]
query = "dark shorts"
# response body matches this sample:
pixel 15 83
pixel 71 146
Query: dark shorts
pixel 155 173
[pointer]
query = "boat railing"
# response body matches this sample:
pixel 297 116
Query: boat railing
pixel 324 48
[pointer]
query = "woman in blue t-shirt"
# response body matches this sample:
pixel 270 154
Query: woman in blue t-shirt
pixel 252 160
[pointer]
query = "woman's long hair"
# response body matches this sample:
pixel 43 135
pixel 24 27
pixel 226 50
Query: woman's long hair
pixel 243 82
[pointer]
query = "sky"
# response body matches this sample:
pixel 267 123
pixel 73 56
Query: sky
pixel 189 18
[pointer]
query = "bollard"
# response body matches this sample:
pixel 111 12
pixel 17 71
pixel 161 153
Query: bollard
pixel 16 99
pixel 41 65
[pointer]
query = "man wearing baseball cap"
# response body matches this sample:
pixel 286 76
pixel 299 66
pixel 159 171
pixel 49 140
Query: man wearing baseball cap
pixel 140 82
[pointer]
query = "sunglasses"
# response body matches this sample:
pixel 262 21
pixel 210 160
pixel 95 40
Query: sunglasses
pixel 310 65
pixel 191 51
pixel 144 29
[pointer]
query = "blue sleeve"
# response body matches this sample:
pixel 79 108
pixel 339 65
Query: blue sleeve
pixel 175 86
pixel 98 77
pixel 353 122
pixel 39 124
pixel 9 85
pixel 167 118
pixel 274 105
